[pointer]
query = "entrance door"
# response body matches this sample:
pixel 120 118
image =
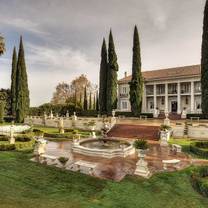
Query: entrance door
pixel 174 106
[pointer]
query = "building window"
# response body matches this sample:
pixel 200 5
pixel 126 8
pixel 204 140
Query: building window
pixel 197 87
pixel 124 105
pixel 124 90
pixel 187 100
pixel 151 105
pixel 185 88
pixel 172 88
pixel 160 89
pixel 149 89
pixel 162 101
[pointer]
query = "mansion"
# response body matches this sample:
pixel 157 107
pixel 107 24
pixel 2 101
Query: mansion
pixel 166 91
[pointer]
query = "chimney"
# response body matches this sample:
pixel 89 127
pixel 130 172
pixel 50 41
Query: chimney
pixel 125 74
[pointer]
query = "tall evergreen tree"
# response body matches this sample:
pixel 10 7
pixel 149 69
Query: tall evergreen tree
pixel 103 78
pixel 80 100
pixel 90 101
pixel 94 102
pixel 13 82
pixel 97 102
pixel 136 84
pixel 22 91
pixel 204 63
pixel 85 99
pixel 2 109
pixel 112 76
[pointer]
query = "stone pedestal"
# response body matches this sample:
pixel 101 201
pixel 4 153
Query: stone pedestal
pixel 142 166
pixel 167 122
pixel 156 113
pixel 183 115
pixel 164 137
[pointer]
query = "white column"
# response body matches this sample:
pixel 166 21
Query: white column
pixel 179 98
pixel 155 97
pixel 192 97
pixel 155 102
pixel 144 105
pixel 166 98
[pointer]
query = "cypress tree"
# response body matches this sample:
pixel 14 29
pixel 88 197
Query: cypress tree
pixel 204 63
pixel 112 76
pixel 94 102
pixel 90 101
pixel 97 102
pixel 13 82
pixel 136 84
pixel 85 99
pixel 2 109
pixel 80 100
pixel 22 91
pixel 103 78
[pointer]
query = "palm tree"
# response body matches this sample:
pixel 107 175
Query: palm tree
pixel 2 45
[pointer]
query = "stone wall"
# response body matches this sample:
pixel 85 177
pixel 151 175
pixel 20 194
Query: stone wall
pixel 71 122
pixel 198 132
pixel 178 131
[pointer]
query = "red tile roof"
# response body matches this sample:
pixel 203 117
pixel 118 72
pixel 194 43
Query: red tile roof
pixel 170 73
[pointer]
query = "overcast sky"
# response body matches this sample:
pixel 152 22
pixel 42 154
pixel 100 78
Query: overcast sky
pixel 62 38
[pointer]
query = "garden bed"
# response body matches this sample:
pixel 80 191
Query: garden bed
pixel 199 181
pixel 21 142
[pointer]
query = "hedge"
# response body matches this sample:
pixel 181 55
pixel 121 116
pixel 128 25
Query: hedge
pixel 198 182
pixel 201 116
pixel 200 149
pixel 7 147
pixel 54 135
pixel 130 114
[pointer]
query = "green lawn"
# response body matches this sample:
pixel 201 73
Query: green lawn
pixel 24 184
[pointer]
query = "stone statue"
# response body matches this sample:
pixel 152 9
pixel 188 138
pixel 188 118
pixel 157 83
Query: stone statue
pixel 67 114
pixel 61 126
pixel 51 115
pixel 12 139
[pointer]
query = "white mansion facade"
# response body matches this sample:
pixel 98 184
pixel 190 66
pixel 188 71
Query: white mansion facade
pixel 167 90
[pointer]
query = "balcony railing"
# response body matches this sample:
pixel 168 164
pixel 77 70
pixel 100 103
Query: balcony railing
pixel 124 95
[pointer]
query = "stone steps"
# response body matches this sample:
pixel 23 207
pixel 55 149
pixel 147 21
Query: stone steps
pixel 135 131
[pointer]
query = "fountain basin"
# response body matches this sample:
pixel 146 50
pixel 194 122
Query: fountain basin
pixel 107 148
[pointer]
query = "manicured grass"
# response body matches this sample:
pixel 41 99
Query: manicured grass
pixel 24 184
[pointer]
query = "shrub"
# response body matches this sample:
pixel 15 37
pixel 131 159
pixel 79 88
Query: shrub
pixel 165 127
pixel 198 182
pixel 63 160
pixel 140 144
pixel 201 116
pixel 4 138
pixel 130 114
pixel 7 147
pixel 38 132
pixel 198 149
pixel 23 138
pixel 57 135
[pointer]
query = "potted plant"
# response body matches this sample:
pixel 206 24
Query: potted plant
pixel 63 160
pixel 141 146
pixel 165 131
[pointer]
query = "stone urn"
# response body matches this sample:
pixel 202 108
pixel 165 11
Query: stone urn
pixel 142 166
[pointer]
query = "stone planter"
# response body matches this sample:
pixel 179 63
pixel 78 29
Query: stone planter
pixel 141 166
pixel 164 137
